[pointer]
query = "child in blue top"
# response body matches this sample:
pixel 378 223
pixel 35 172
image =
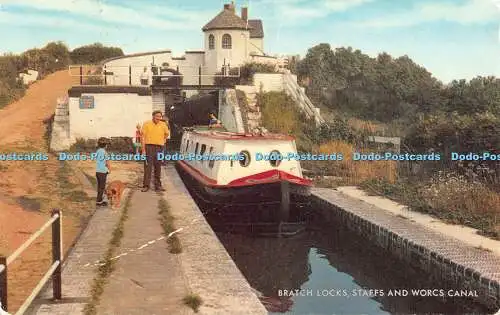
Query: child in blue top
pixel 213 122
pixel 103 168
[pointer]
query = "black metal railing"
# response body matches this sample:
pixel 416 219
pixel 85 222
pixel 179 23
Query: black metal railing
pixel 97 75
pixel 54 270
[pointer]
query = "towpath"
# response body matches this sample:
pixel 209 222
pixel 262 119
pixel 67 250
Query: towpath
pixel 149 279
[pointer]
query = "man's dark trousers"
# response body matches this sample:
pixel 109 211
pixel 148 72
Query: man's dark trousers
pixel 152 162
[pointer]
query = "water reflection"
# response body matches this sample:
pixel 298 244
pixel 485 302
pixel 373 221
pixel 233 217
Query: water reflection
pixel 333 271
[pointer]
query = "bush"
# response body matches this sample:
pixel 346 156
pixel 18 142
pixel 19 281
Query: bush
pixel 94 53
pixel 338 129
pixel 279 113
pixel 116 145
pixel 11 86
pixel 246 74
pixel 352 172
pixel 447 196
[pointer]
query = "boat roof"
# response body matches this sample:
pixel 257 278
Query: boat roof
pixel 226 135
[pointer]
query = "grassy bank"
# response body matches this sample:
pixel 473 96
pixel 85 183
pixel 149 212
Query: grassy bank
pixel 440 192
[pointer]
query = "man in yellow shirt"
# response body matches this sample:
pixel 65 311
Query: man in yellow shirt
pixel 154 136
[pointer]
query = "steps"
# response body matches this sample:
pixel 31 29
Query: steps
pixel 60 137
pixel 253 115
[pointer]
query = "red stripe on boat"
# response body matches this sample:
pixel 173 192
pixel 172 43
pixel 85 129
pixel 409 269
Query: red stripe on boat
pixel 205 180
pixel 267 177
pixel 271 176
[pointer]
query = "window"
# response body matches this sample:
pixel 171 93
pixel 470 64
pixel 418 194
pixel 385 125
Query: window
pixel 187 146
pixel 196 148
pixel 275 158
pixel 212 161
pixel 203 149
pixel 245 161
pixel 211 42
pixel 226 41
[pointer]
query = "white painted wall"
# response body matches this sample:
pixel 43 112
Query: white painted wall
pixel 229 112
pixel 265 59
pixel 269 81
pixel 256 46
pixel 190 67
pixel 120 67
pixel 29 77
pixel 114 115
pixel 236 56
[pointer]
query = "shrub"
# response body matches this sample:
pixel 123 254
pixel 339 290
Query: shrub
pixel 353 172
pixel 94 53
pixel 246 74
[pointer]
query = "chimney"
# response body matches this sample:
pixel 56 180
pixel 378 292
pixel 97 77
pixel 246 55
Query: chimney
pixel 226 6
pixel 244 14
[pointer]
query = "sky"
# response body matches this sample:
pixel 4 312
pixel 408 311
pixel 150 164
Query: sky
pixel 453 39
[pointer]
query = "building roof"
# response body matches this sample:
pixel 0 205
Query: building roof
pixel 226 19
pixel 256 29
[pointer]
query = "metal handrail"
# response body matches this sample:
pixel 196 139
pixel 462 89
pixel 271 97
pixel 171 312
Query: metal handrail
pixel 106 73
pixel 54 271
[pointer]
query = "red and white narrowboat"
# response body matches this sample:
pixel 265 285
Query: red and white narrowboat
pixel 236 169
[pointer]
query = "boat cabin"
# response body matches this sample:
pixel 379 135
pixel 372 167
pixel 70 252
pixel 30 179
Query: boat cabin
pixel 231 158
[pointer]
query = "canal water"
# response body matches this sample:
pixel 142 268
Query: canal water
pixel 329 270
pixel 332 271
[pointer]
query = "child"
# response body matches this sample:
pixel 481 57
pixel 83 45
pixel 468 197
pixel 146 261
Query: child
pixel 214 122
pixel 138 136
pixel 103 168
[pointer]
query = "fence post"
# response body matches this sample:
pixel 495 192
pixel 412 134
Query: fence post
pixel 105 76
pixel 57 255
pixel 81 75
pixel 129 75
pixel 3 283
pixel 199 76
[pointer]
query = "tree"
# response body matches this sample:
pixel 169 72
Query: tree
pixel 59 56
pixel 94 53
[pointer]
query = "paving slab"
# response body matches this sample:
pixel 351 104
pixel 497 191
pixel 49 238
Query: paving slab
pixel 149 279
pixel 79 267
pixel 207 266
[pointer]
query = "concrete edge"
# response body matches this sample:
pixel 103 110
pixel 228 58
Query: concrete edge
pixel 445 258
pixel 207 266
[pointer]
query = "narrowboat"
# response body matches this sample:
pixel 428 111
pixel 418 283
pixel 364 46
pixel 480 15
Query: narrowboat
pixel 244 170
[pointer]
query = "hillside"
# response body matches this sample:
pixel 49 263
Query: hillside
pixel 29 190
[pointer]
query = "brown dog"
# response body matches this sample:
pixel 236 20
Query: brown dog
pixel 114 192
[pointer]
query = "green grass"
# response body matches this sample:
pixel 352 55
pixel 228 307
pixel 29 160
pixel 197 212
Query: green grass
pixel 167 223
pixel 411 195
pixel 194 301
pixel 107 266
